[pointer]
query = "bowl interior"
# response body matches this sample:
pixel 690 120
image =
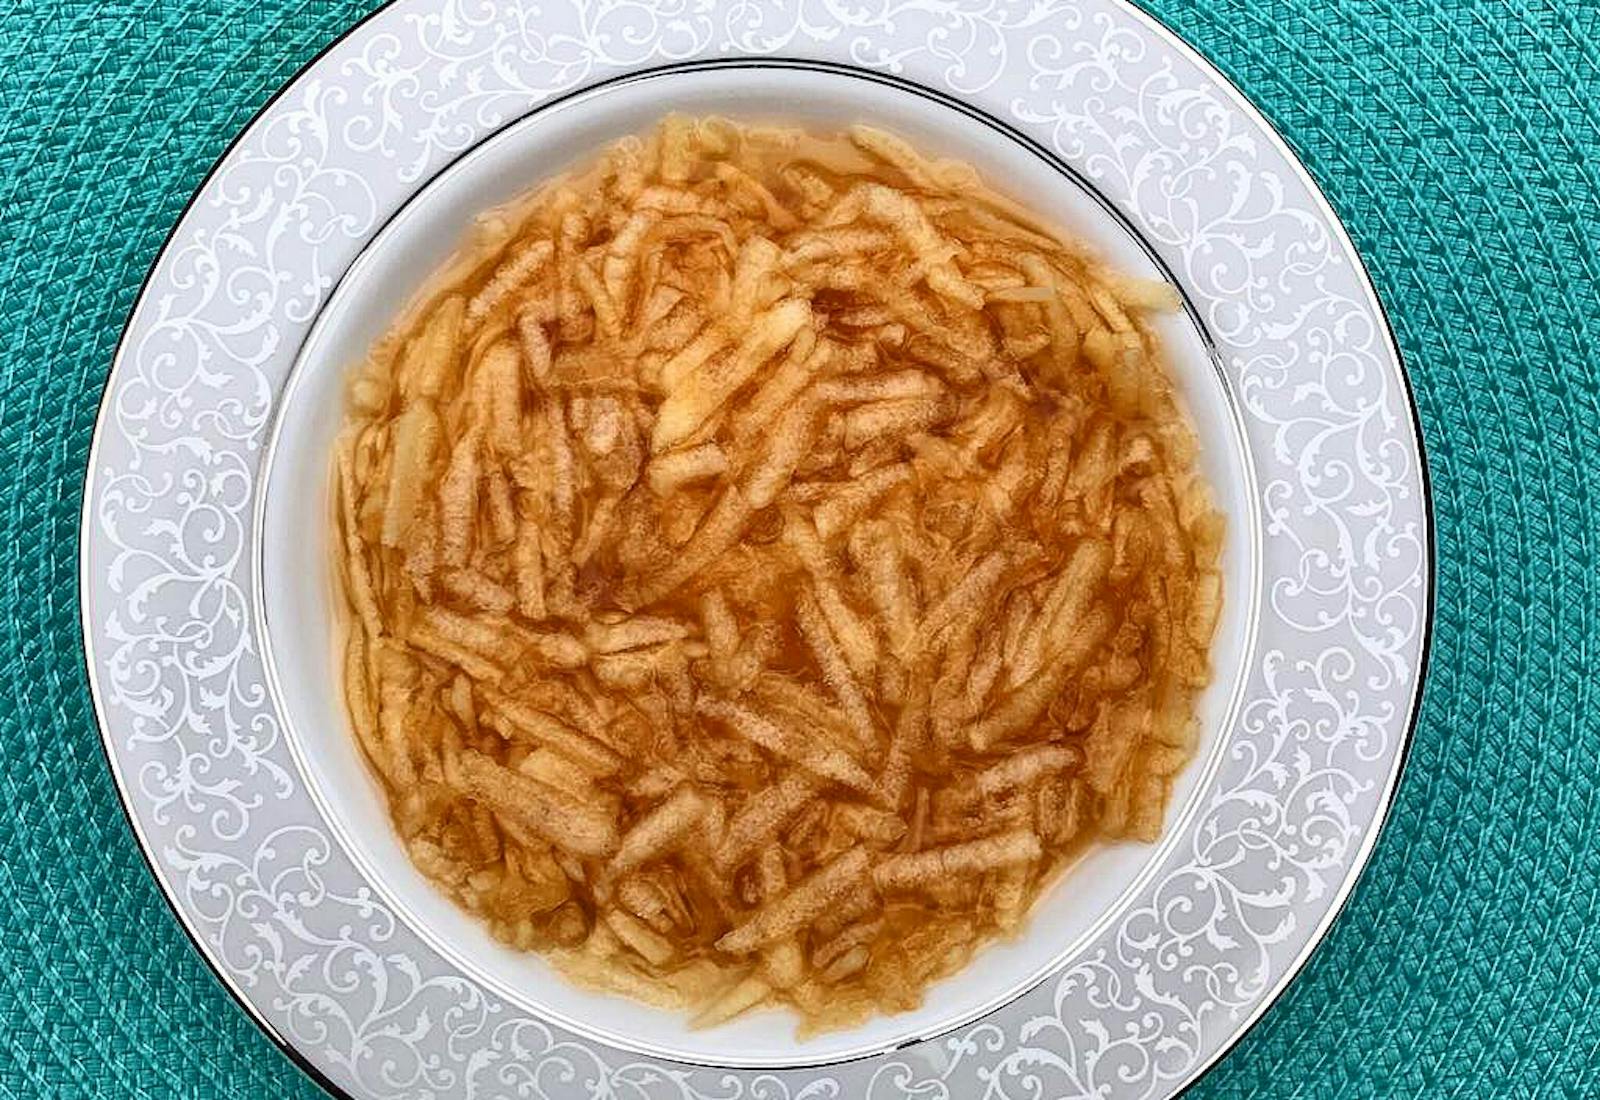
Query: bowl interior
pixel 295 589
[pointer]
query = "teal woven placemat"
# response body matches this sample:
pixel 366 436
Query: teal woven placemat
pixel 1459 143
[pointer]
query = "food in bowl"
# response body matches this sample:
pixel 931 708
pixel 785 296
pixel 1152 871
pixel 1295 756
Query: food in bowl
pixel 769 560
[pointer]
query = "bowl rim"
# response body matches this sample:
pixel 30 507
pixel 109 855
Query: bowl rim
pixel 1246 528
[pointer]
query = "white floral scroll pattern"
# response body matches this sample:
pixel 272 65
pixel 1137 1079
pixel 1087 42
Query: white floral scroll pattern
pixel 234 836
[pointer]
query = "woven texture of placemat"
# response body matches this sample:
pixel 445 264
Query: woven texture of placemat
pixel 1458 141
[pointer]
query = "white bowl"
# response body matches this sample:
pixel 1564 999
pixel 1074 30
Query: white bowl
pixel 296 585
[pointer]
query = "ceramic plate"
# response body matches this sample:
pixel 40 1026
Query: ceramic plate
pixel 206 590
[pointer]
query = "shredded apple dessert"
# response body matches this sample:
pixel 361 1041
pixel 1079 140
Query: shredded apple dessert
pixel 770 559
